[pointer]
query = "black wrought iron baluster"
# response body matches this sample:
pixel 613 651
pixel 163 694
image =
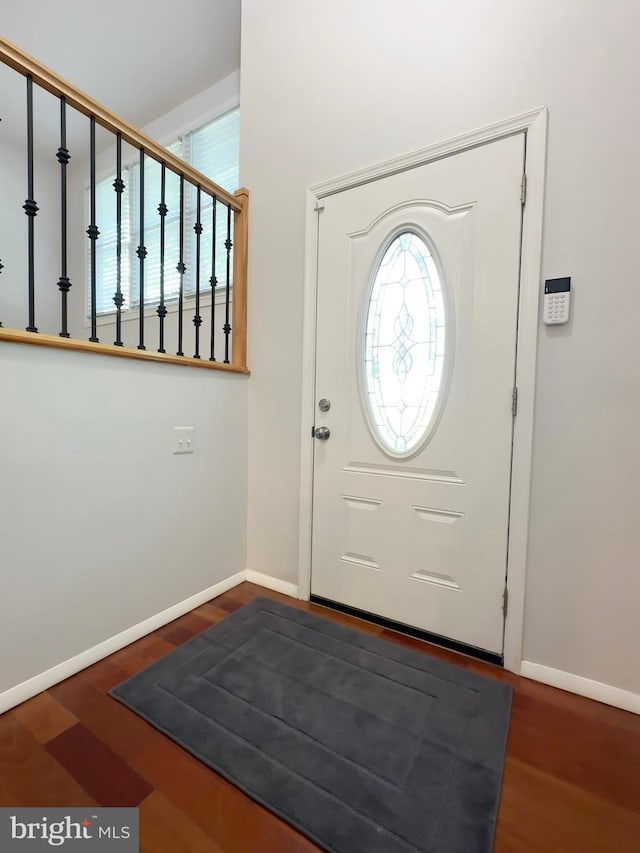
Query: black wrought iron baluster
pixel 141 252
pixel 181 268
pixel 63 158
pixel 197 319
pixel 227 326
pixel 161 310
pixel 31 209
pixel 92 230
pixel 213 281
pixel 119 187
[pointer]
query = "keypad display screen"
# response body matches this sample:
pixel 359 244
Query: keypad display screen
pixel 557 285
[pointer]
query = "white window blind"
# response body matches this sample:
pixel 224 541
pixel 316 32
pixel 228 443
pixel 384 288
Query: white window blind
pixel 212 149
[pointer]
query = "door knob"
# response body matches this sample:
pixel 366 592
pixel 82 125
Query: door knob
pixel 322 433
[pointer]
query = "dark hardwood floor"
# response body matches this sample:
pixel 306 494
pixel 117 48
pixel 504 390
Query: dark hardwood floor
pixel 571 783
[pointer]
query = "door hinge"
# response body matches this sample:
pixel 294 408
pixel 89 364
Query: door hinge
pixel 505 601
pixel 319 205
pixel 523 190
pixel 514 401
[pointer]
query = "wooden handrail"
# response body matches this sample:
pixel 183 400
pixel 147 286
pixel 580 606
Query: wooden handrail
pixel 52 82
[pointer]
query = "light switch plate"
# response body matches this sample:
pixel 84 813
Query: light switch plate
pixel 183 439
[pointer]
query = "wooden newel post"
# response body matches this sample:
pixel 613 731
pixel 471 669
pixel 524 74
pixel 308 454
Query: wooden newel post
pixel 240 260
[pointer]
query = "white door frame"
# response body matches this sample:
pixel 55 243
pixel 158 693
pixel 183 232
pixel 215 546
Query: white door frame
pixel 534 123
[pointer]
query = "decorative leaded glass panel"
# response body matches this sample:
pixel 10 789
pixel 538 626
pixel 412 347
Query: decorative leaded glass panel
pixel 404 345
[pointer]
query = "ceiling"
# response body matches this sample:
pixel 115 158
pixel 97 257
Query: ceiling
pixel 139 58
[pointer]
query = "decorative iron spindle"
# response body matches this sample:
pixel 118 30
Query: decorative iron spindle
pixel 119 187
pixel 161 310
pixel 92 230
pixel 197 319
pixel 227 326
pixel 63 157
pixel 31 209
pixel 141 252
pixel 181 267
pixel 213 281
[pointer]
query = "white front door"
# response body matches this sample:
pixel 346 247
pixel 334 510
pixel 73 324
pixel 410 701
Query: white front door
pixel 416 343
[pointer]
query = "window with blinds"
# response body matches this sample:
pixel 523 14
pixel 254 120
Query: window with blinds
pixel 212 149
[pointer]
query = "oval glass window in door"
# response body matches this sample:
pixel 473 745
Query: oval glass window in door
pixel 404 346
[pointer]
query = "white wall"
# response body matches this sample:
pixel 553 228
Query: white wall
pixel 331 87
pixel 101 526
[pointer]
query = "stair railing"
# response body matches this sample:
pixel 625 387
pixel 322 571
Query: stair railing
pixel 231 209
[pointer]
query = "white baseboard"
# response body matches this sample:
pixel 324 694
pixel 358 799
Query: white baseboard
pixel 21 692
pixel 583 686
pixel 286 588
